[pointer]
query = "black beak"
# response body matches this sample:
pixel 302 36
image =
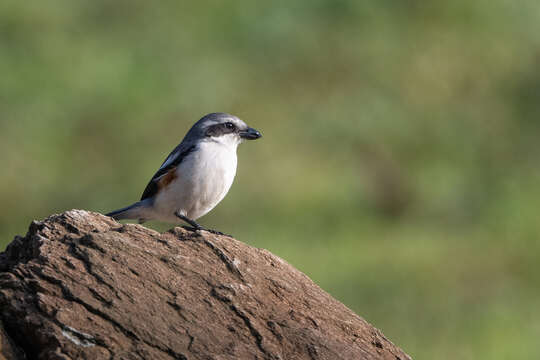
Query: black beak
pixel 250 134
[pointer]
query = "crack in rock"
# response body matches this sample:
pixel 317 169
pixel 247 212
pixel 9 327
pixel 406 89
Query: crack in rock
pixel 230 264
pixel 78 337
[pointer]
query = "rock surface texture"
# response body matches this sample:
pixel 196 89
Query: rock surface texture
pixel 80 285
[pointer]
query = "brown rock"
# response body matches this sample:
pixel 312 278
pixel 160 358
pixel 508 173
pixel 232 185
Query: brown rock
pixel 81 286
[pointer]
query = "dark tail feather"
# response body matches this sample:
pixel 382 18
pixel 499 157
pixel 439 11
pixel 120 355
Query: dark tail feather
pixel 129 212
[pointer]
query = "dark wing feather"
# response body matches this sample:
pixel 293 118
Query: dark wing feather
pixel 172 161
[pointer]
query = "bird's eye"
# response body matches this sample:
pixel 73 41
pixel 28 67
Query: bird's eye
pixel 229 125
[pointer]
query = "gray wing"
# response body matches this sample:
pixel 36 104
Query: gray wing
pixel 168 167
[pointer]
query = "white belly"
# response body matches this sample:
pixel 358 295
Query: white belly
pixel 202 180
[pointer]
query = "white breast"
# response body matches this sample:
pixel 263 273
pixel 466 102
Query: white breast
pixel 203 179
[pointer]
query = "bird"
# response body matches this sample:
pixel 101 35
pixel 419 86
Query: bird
pixel 195 176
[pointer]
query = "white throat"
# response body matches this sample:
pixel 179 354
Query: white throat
pixel 231 141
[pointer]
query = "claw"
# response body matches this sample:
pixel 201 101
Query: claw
pixel 196 227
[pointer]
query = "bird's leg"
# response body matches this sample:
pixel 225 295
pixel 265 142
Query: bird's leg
pixel 196 225
pixel 189 221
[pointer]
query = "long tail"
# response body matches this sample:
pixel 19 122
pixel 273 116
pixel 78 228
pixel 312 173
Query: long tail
pixel 133 211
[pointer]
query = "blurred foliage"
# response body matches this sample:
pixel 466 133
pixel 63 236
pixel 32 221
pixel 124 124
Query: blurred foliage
pixel 399 163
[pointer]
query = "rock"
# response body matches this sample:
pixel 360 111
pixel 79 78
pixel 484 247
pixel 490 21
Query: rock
pixel 80 285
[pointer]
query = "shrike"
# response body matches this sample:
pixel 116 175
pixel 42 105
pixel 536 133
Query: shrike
pixel 196 175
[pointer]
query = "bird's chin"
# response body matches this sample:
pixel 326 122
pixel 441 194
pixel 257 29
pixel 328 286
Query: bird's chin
pixel 228 140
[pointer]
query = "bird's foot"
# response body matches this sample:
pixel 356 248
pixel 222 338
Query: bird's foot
pixel 196 227
pixel 215 232
pixel 191 228
pixel 211 231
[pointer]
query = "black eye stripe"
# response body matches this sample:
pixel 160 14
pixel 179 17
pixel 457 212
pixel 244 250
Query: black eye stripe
pixel 220 129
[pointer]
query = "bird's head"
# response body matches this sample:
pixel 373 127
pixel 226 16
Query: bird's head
pixel 223 128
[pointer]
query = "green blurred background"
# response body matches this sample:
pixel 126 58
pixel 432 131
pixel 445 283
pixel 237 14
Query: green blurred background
pixel 399 163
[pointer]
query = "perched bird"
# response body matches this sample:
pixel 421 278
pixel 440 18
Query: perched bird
pixel 196 175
